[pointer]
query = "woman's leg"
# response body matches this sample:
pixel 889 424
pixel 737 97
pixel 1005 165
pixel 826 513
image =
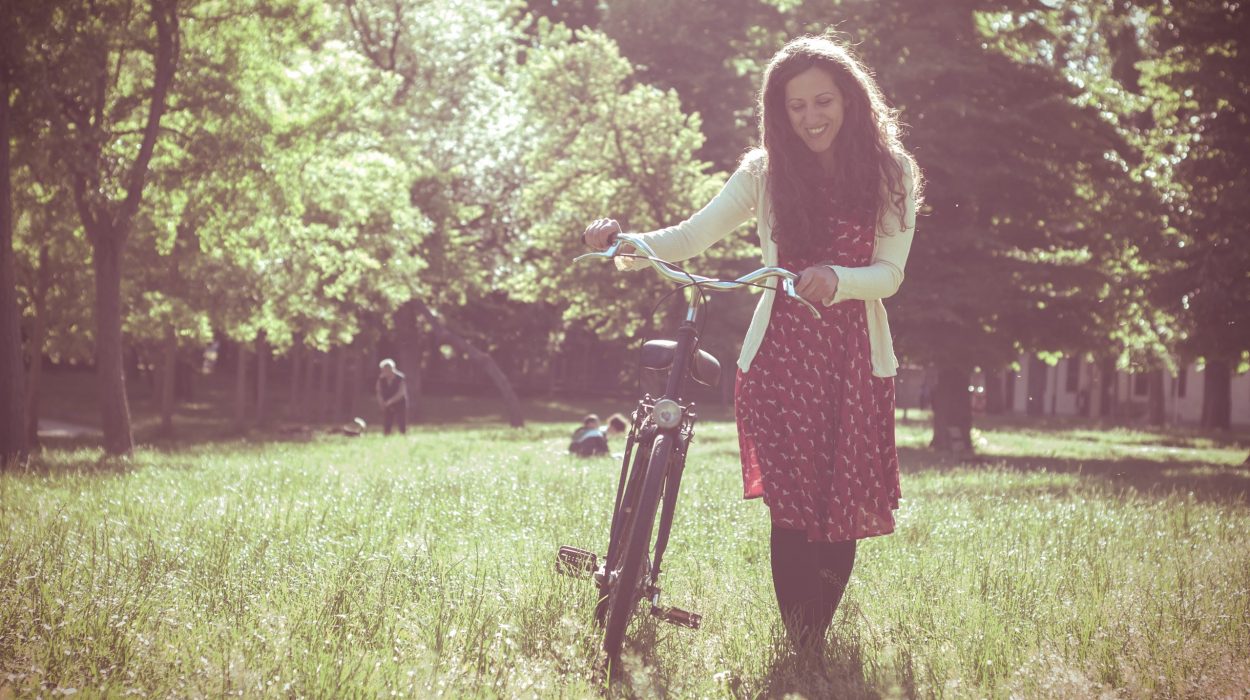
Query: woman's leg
pixel 809 579
pixel 836 559
pixel 794 580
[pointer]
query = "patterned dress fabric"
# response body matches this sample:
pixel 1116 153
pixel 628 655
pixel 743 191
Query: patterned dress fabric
pixel 815 427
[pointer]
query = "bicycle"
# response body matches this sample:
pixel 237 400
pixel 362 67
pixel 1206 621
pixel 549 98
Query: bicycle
pixel 655 458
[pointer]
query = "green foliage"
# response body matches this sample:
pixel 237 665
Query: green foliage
pixel 47 232
pixel 705 50
pixel 1197 78
pixel 603 145
pixel 453 118
pixel 1035 229
pixel 319 165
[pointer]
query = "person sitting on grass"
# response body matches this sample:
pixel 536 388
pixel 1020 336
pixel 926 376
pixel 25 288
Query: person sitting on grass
pixel 592 439
pixel 618 424
pixel 589 440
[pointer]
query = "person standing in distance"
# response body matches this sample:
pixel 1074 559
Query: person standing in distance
pixel 834 195
pixel 392 392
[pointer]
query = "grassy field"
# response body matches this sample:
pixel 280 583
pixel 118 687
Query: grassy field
pixel 1062 562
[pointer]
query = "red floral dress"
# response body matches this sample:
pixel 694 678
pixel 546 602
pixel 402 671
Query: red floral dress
pixel 815 427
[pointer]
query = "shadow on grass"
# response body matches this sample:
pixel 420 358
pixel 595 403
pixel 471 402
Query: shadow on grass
pixel 1091 430
pixel 838 672
pixel 1205 480
pixel 75 456
pixel 643 671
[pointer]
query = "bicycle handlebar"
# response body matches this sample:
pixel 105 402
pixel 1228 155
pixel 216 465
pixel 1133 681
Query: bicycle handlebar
pixel 669 271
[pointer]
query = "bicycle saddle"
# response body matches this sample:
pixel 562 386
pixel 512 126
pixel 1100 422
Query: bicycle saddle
pixel 658 355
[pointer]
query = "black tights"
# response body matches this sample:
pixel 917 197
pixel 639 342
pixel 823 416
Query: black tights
pixel 809 578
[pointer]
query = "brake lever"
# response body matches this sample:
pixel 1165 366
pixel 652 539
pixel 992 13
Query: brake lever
pixel 787 285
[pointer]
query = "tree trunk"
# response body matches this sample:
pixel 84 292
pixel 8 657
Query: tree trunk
pixel 1009 391
pixel 443 334
pixel 1054 390
pixel 338 405
pixel 1157 415
pixel 107 222
pixel 1035 400
pixel 297 375
pixel 1106 388
pixel 106 246
pixel 1217 396
pixel 34 380
pixel 308 394
pixel 410 356
pixel 263 356
pixel 994 392
pixel 324 412
pixel 355 375
pixel 13 428
pixel 240 387
pixel 952 410
pixel 169 374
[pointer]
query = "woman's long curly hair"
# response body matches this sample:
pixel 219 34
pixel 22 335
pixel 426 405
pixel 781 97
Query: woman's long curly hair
pixel 868 178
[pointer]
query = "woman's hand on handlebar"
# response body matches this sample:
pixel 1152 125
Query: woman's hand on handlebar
pixel 600 233
pixel 817 284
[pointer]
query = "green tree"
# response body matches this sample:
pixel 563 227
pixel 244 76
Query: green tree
pixel 454 119
pixel 709 52
pixel 54 281
pixel 110 71
pixel 1196 77
pixel 16 120
pixel 603 144
pixel 13 443
pixel 1034 229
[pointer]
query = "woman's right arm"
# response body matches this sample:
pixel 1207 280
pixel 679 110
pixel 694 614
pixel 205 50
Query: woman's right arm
pixel 732 206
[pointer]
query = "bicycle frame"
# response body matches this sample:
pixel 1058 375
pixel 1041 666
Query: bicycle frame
pixel 683 432
pixel 654 460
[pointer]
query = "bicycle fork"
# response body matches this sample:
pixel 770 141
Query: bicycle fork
pixel 676 616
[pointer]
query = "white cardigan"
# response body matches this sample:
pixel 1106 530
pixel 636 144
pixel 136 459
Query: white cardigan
pixel 746 195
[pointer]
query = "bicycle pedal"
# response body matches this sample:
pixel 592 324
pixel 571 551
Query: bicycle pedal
pixel 679 617
pixel 575 562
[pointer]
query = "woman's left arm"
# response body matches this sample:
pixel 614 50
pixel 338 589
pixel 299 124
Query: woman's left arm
pixel 883 276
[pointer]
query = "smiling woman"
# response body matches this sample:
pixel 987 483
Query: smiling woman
pixel 834 194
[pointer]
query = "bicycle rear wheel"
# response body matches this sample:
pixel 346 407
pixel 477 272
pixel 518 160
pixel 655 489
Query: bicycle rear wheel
pixel 632 572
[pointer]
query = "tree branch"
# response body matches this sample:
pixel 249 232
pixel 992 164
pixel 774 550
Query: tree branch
pixel 361 25
pixel 443 334
pixel 165 15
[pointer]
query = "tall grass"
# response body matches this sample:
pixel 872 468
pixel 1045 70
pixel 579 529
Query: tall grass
pixel 1060 563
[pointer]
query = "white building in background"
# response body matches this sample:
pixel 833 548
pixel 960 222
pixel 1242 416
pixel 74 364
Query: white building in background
pixel 1063 389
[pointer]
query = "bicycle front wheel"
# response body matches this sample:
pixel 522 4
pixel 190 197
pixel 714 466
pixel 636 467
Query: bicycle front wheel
pixel 632 574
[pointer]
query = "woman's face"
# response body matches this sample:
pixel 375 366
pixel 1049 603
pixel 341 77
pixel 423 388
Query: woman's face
pixel 814 105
